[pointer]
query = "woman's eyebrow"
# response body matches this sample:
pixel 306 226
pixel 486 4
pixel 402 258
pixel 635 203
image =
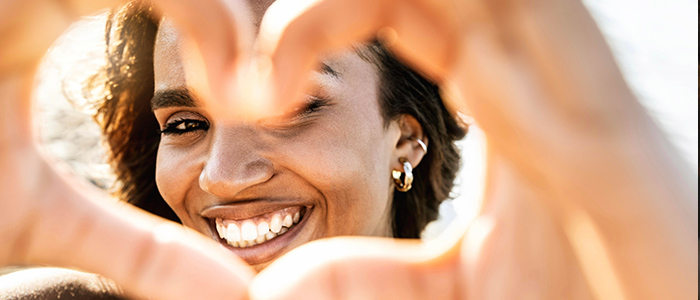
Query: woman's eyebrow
pixel 183 97
pixel 326 69
pixel 172 98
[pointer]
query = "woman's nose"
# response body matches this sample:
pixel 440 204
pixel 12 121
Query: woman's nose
pixel 234 163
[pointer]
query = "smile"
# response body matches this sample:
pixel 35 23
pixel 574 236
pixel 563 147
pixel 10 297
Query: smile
pixel 259 229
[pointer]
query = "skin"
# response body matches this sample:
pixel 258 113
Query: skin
pixel 567 142
pixel 336 160
pixel 570 151
pixel 50 218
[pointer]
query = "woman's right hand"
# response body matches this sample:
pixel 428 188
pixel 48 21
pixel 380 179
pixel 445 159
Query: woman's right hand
pixel 580 181
pixel 47 218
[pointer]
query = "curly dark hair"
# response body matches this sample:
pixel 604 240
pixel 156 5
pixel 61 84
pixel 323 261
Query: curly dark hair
pixel 132 136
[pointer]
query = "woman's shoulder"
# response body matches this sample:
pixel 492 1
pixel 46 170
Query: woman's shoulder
pixel 55 283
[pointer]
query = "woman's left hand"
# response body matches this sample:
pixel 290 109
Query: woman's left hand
pixel 48 219
pixel 572 156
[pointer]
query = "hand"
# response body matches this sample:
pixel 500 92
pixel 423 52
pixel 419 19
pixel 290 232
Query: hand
pixel 46 218
pixel 570 149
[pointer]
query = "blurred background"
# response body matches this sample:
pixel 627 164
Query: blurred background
pixel 655 43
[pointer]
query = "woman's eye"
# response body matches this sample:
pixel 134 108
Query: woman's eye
pixel 184 126
pixel 312 106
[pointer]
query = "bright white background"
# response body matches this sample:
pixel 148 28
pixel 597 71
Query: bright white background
pixel 656 44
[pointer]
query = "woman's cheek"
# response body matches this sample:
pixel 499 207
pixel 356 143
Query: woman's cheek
pixel 356 194
pixel 175 172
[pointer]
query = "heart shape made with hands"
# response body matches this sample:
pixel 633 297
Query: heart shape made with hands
pixel 50 219
pixel 506 62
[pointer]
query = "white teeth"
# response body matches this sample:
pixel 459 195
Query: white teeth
pixel 263 228
pixel 220 228
pixel 254 231
pixel 287 222
pixel 276 224
pixel 233 234
pixel 248 231
pixel 260 239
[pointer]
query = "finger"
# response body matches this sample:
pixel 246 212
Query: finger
pixel 294 34
pixel 27 29
pixel 147 256
pixel 222 34
pixel 359 268
pixel 219 28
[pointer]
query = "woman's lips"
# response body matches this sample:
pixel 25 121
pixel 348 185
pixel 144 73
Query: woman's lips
pixel 257 230
pixel 261 238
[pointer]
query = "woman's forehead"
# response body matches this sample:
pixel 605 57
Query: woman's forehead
pixel 168 57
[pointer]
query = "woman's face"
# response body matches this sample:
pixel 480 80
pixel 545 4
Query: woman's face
pixel 264 187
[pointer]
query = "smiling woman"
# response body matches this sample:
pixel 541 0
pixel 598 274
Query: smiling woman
pixel 584 198
pixel 264 187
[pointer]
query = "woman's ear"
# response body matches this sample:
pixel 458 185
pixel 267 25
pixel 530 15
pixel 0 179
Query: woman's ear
pixel 412 145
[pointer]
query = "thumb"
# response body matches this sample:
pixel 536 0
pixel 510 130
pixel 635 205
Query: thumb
pixel 359 268
pixel 148 257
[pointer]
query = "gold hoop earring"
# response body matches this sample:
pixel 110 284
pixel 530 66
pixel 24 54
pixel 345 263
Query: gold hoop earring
pixel 403 180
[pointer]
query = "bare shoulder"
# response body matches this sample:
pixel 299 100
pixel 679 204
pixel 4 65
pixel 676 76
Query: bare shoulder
pixel 56 283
